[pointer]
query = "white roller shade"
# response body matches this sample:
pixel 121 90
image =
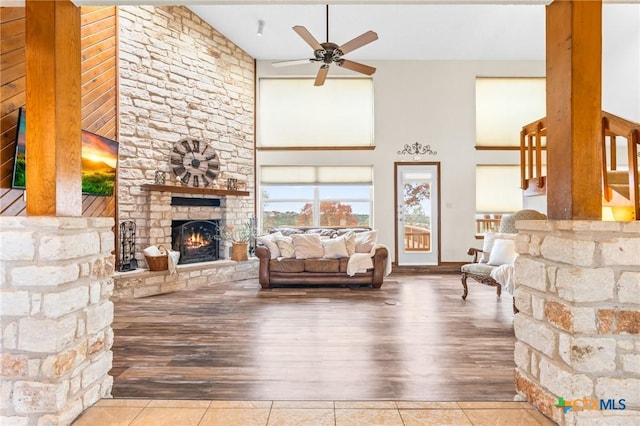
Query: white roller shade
pixel 293 112
pixel 504 105
pixel 292 175
pixel 498 189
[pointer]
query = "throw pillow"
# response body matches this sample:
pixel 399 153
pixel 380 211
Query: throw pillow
pixel 349 242
pixel 285 245
pixel 365 241
pixel 334 248
pixel 307 246
pixel 489 239
pixel 503 252
pixel 269 241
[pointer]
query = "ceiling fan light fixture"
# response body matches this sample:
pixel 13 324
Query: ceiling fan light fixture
pixel 260 28
pixel 328 53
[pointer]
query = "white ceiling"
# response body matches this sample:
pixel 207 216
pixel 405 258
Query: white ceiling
pixel 406 31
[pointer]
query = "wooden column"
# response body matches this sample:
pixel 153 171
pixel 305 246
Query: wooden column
pixel 53 144
pixel 574 105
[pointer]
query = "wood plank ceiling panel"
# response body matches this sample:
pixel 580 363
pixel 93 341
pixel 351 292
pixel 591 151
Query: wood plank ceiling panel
pixel 99 94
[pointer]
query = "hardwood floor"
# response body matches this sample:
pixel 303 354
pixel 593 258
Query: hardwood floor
pixel 414 339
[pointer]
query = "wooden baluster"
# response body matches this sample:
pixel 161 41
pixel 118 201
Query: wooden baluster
pixel 523 177
pixel 632 149
pixel 606 191
pixel 539 132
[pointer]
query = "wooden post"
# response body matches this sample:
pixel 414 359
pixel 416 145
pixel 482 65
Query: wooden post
pixel 574 105
pixel 53 139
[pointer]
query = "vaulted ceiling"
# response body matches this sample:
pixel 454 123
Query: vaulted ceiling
pixel 407 29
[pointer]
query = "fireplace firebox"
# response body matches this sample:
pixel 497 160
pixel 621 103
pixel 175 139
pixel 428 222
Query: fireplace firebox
pixel 196 240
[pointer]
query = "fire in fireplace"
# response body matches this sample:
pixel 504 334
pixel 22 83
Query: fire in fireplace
pixel 196 240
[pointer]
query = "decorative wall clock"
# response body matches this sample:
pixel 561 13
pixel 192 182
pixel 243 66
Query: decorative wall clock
pixel 194 162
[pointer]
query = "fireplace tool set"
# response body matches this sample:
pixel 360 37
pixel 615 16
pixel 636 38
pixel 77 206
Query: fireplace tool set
pixel 128 261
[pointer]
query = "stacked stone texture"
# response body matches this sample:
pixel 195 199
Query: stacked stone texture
pixel 179 78
pixel 55 317
pixel 132 285
pixel 578 292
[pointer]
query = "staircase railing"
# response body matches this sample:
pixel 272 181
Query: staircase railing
pixel 614 127
pixel 533 138
pixel 533 142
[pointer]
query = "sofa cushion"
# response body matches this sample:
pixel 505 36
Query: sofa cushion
pixel 287 232
pixel 323 232
pixel 285 245
pixel 334 248
pixel 343 264
pixel 477 268
pixel 489 239
pixel 365 241
pixel 342 231
pixel 286 265
pixel 307 246
pixel 269 241
pixel 349 242
pixel 321 265
pixel 503 252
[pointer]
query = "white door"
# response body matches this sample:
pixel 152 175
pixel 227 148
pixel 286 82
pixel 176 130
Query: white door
pixel 417 223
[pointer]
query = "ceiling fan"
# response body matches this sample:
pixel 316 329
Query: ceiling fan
pixel 328 53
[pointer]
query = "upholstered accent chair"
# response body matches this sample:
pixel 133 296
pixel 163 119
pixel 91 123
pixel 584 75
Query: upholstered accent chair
pixel 498 249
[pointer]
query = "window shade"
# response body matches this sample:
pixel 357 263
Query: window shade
pixel 498 189
pixel 316 174
pixel 504 105
pixel 292 112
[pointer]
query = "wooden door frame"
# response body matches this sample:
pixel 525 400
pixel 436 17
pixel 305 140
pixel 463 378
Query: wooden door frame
pixel 395 203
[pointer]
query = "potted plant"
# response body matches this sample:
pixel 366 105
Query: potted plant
pixel 240 238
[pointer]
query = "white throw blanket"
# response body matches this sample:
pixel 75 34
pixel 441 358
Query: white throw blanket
pixel 360 262
pixel 504 276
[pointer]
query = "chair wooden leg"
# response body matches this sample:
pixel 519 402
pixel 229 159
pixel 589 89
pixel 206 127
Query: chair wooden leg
pixel 464 285
pixel 499 290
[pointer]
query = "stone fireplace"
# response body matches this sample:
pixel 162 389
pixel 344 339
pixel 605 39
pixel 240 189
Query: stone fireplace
pixel 196 240
pixel 188 220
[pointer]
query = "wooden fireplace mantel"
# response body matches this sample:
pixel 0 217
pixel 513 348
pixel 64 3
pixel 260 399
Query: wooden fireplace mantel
pixel 191 190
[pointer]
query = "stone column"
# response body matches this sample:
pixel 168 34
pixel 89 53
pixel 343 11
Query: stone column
pixel 578 292
pixel 55 317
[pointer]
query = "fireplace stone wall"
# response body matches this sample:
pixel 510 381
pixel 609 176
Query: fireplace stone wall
pixel 180 78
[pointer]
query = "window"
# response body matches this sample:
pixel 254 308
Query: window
pixel 292 112
pixel 497 192
pixel 504 106
pixel 315 196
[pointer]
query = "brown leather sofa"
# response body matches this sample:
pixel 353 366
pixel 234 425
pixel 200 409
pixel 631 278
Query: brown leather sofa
pixel 318 271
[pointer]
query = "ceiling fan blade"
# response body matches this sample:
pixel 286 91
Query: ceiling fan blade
pixel 306 36
pixel 294 62
pixel 322 75
pixel 356 66
pixel 359 41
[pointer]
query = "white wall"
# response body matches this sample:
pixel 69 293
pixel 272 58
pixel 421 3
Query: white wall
pixel 417 101
pixel 621 60
pixel 434 103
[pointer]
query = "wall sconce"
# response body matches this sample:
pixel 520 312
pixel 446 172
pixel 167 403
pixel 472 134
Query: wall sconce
pixel 260 28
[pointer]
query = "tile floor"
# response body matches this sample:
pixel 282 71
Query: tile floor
pixel 145 412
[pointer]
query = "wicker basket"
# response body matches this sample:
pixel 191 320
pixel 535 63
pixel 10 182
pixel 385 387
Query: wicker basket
pixel 239 251
pixel 158 263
